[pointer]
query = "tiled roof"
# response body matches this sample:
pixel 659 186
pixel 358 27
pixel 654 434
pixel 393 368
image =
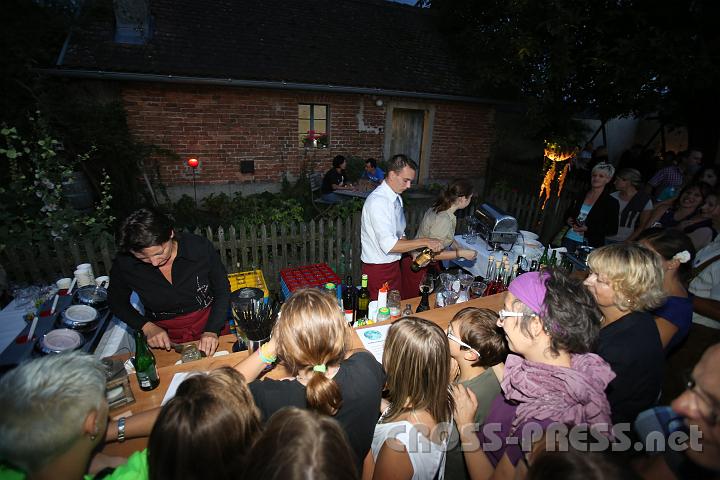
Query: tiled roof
pixel 354 43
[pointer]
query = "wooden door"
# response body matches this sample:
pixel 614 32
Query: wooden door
pixel 407 133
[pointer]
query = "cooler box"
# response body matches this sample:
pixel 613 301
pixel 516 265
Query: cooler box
pixel 315 275
pixel 252 278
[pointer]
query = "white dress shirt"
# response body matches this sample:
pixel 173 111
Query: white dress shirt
pixel 382 225
pixel 707 284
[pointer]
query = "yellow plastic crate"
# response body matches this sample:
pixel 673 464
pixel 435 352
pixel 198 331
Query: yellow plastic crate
pixel 252 278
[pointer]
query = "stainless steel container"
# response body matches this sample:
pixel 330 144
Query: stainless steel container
pixel 496 226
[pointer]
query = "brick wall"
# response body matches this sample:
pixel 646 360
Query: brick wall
pixel 224 126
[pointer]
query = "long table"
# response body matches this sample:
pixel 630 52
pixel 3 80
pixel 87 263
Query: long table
pixel 167 367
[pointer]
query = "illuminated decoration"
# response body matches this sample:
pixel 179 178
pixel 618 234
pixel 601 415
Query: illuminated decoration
pixel 193 163
pixel 556 155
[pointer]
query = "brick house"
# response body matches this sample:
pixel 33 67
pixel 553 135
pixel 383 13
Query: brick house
pixel 238 84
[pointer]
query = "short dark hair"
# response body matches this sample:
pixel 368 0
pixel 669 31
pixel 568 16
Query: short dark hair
pixel 668 242
pixel 299 444
pixel 400 161
pixel 144 228
pixel 570 315
pixel 478 328
pixel 338 160
pixel 206 430
pixel 372 162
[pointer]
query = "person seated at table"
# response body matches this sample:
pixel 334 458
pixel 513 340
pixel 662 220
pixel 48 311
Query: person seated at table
pixel 205 430
pixel 685 207
pixel 674 317
pixel 300 444
pixel 53 414
pixel 179 278
pixel 550 378
pixel 312 341
pixel 593 215
pixel 333 180
pixel 439 222
pixel 477 346
pixel 372 172
pixel 626 281
pixel 407 443
pixel 701 227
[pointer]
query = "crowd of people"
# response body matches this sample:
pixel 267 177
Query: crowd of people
pixel 548 387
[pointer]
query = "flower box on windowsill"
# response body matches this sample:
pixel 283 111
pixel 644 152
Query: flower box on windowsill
pixel 315 140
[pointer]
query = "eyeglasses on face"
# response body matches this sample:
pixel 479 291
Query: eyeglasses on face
pixel 462 344
pixel 707 407
pixel 503 314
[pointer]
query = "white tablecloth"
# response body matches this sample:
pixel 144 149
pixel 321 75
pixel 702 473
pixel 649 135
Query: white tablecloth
pixel 11 324
pixel 479 266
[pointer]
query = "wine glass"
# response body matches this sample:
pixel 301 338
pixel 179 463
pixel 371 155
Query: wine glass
pixel 428 284
pixel 447 279
pixel 477 289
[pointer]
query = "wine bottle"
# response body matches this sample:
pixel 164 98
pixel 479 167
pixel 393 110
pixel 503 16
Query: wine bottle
pixel 543 262
pixel 145 367
pixel 553 259
pixel 348 300
pixel 363 299
pixel 422 260
pixel 519 262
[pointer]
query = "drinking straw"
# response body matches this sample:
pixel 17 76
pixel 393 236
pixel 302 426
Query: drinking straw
pixel 72 285
pixel 54 304
pixel 32 328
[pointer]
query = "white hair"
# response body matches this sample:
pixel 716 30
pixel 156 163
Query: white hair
pixel 606 167
pixel 43 404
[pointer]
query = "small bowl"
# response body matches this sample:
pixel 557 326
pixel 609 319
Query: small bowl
pixel 60 340
pixel 79 317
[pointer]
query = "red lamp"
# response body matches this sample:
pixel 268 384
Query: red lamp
pixel 193 162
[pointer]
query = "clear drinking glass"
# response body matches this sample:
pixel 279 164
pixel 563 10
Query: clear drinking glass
pixel 477 289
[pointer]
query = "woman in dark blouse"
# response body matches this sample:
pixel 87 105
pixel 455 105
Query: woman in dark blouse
pixel 179 278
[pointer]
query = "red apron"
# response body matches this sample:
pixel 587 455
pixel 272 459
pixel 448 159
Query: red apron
pixel 379 273
pixel 187 327
pixel 410 280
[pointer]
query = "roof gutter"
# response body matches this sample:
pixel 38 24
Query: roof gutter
pixel 277 85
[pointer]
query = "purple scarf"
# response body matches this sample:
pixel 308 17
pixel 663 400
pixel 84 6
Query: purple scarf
pixel 573 396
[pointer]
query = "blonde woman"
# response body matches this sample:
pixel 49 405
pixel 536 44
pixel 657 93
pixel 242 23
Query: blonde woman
pixel 594 214
pixel 411 436
pixel 627 280
pixel 311 341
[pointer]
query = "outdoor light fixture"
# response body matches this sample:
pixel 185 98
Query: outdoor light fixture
pixel 556 154
pixel 379 102
pixel 194 163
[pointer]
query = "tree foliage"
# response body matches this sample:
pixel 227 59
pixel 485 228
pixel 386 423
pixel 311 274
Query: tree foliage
pixel 603 57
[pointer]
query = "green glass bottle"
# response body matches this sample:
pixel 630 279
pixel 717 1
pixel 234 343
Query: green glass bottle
pixel 543 262
pixel 553 259
pixel 145 367
pixel 363 299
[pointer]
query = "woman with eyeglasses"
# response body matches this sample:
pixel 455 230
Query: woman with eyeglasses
pixel 179 277
pixel 477 348
pixel 626 281
pixel 550 378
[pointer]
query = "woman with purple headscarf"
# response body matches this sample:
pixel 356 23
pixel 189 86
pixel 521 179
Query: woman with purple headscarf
pixel 551 324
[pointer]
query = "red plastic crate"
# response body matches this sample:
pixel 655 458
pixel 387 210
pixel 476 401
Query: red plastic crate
pixel 308 276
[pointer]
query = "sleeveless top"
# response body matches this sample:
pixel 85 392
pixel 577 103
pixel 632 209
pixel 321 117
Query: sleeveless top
pixel 427 457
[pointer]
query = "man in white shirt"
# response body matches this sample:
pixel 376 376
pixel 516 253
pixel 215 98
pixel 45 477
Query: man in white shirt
pixel 382 229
